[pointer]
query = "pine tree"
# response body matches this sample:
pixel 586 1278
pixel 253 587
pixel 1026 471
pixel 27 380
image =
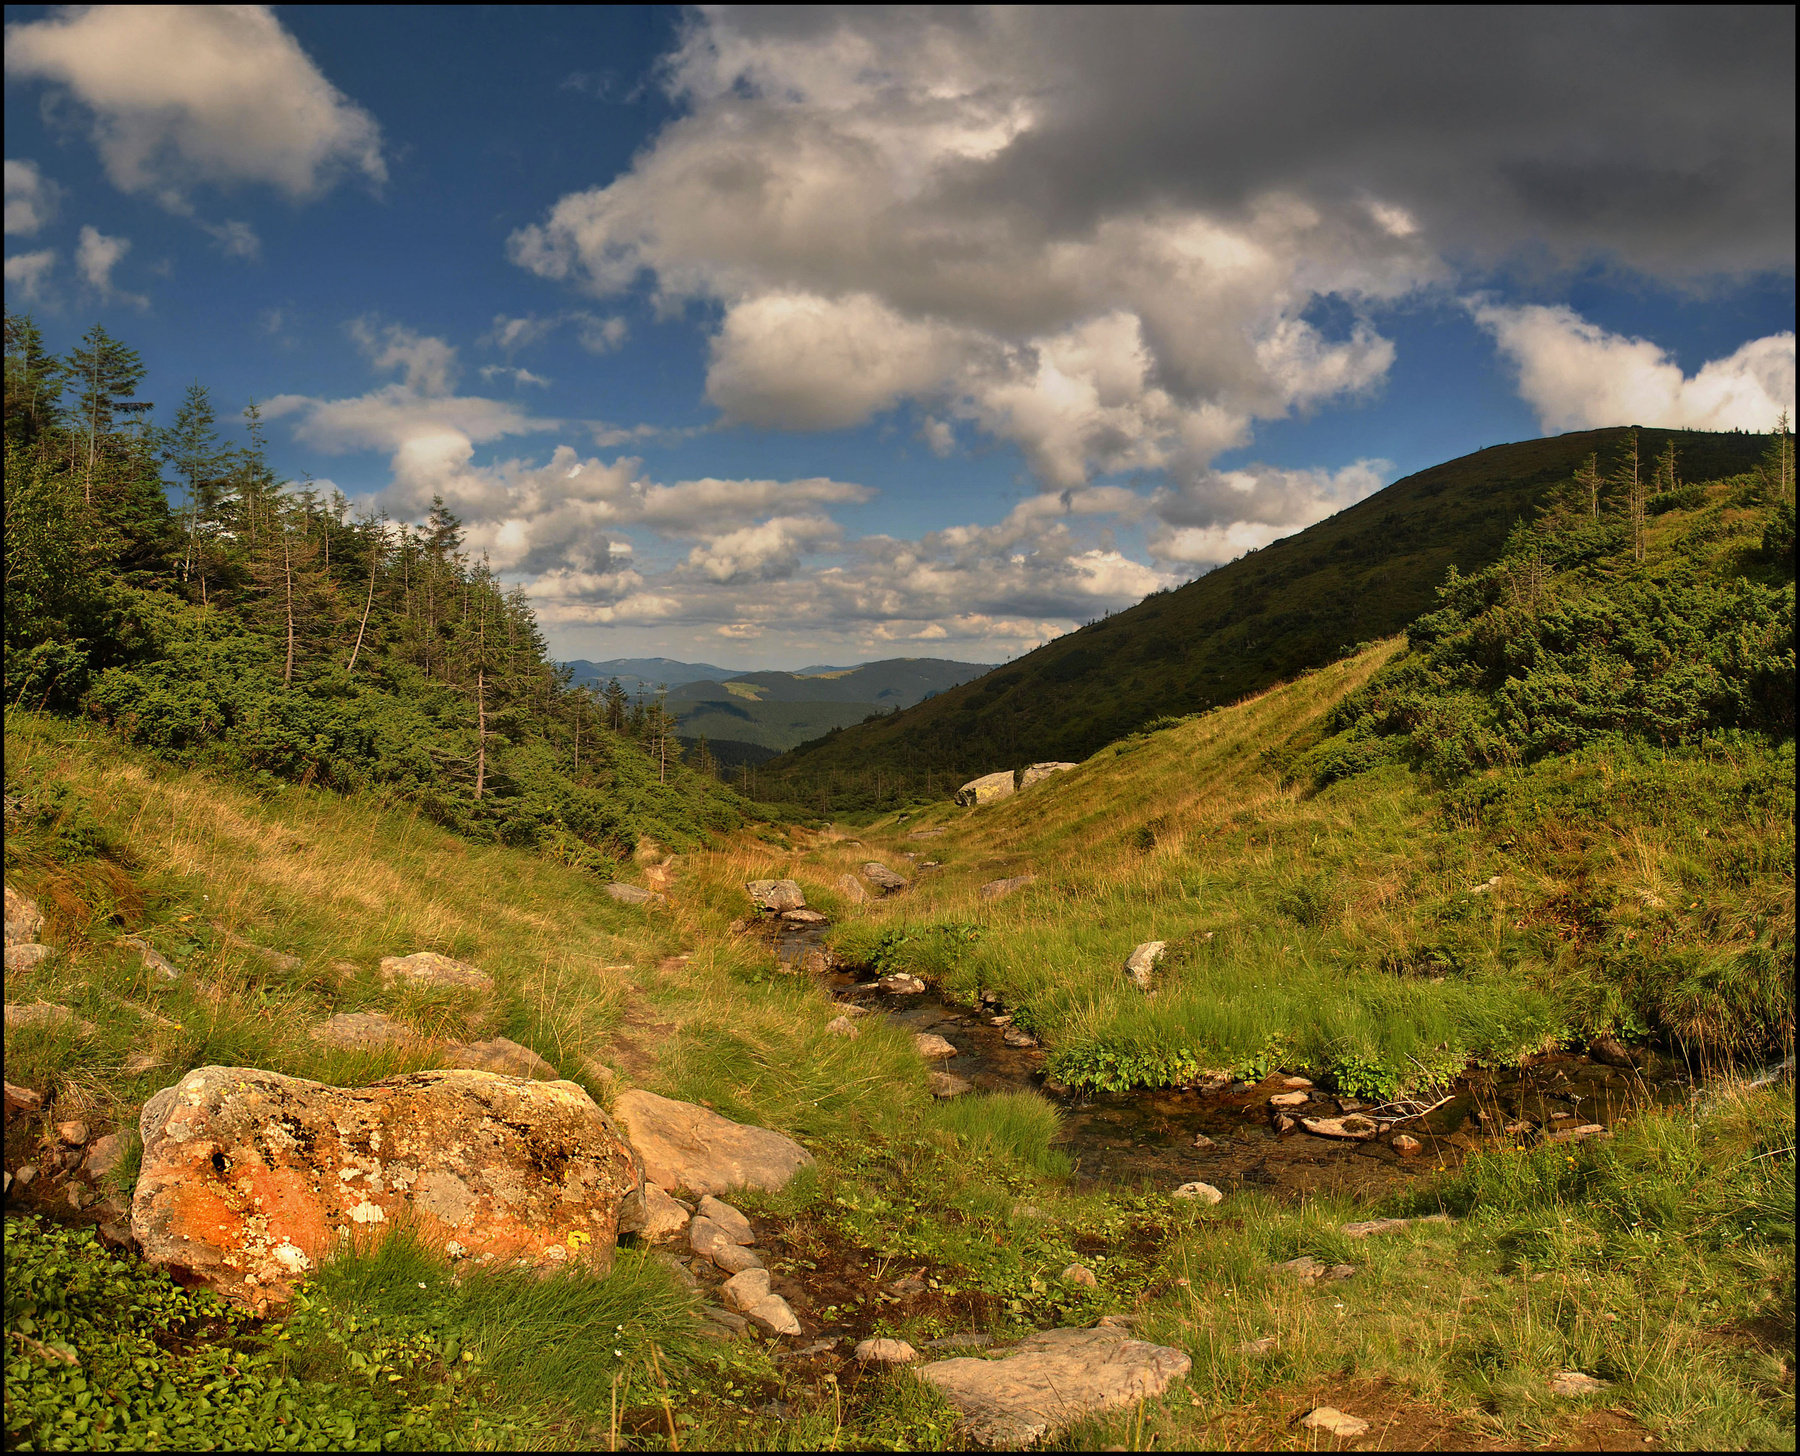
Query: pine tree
pixel 106 372
pixel 191 449
pixel 35 381
pixel 1589 480
pixel 615 700
pixel 1778 461
pixel 1628 474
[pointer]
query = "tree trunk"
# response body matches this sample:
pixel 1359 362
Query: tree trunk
pixel 374 561
pixel 287 562
pixel 480 733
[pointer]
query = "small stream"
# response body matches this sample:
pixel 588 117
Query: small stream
pixel 1169 1136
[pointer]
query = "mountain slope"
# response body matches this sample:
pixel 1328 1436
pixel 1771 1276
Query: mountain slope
pixel 895 683
pixel 1363 574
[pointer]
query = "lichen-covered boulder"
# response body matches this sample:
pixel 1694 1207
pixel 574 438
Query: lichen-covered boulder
pixel 428 968
pixel 249 1178
pixel 776 895
pixel 1037 772
pixel 987 789
pixel 884 879
pixel 684 1146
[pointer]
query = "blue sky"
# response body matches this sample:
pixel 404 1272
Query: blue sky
pixel 781 337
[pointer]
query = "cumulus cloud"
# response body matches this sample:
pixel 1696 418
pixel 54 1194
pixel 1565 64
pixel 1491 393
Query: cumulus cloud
pixel 1578 376
pixel 183 95
pixel 31 198
pixel 96 255
pixel 29 274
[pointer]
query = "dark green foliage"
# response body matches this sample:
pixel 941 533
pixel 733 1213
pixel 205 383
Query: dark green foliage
pixel 262 632
pixel 1361 575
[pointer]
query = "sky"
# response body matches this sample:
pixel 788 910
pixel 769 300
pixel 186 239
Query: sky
pixel 788 336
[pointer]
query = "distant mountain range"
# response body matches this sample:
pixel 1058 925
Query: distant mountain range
pixel 747 717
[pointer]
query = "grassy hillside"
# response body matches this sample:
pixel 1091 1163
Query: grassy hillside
pixel 1363 574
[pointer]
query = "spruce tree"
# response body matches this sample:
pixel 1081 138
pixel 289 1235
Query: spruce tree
pixel 106 372
pixel 191 449
pixel 35 381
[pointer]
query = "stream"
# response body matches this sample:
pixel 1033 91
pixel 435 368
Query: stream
pixel 1168 1136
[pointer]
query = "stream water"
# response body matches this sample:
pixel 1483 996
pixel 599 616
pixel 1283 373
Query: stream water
pixel 1227 1137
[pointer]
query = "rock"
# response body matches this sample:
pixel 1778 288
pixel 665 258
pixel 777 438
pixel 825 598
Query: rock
pixel 1341 1271
pixel 1306 1268
pixel 730 1222
pixel 147 953
pixel 1289 1099
pixel 1037 772
pixel 732 1324
pixel 73 1134
pixel 1296 1082
pixel 1051 1380
pixel 776 895
pixel 931 1046
pixel 26 1172
pixel 1579 1134
pixel 748 1294
pixel 1284 1123
pixel 1014 1037
pixel 1355 1127
pixel 735 1258
pixel 1374 1226
pixel 842 1026
pixel 661 1218
pixel 24 956
pixel 249 1178
pixel 902 985
pixel 1334 1422
pixel 17 1017
pixel 882 878
pixel 947 1084
pixel 816 961
pixel 994 889
pixel 960 1342
pixel 853 889
pixel 21 1101
pixel 1573 1382
pixel 361 1030
pixel 988 789
pixel 106 1153
pixel 23 918
pixel 275 959
pixel 803 917
pixel 773 1314
pixel 1258 1347
pixel 1080 1274
pixel 1611 1052
pixel 1142 961
pixel 737 927
pixel 500 1055
pixel 929 832
pixel 685 1146
pixel 909 1286
pixel 885 1352
pixel 1203 1142
pixel 704 1235
pixel 1407 1147
pixel 428 968
pixel 633 895
pixel 1204 1192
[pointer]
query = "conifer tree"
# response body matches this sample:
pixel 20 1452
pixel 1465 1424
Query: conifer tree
pixel 1589 480
pixel 191 449
pixel 106 372
pixel 35 381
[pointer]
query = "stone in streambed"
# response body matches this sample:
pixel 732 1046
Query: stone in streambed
pixel 684 1146
pixel 1406 1146
pixel 1354 1127
pixel 902 985
pixel 662 1217
pixel 776 895
pixel 947 1084
pixel 885 1352
pixel 729 1220
pixel 735 1258
pixel 1289 1099
pixel 803 917
pixel 250 1178
pixel 931 1046
pixel 748 1293
pixel 1051 1380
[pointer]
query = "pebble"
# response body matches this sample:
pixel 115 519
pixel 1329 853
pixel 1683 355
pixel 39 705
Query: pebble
pixel 1289 1099
pixel 1334 1422
pixel 885 1352
pixel 931 1046
pixel 72 1133
pixel 1203 1142
pixel 842 1026
pixel 1407 1146
pixel 1080 1274
pixel 1296 1082
pixel 1204 1192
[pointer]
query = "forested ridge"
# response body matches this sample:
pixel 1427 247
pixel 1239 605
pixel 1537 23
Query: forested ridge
pixel 165 582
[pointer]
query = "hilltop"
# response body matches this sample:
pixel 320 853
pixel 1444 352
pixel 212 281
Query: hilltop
pixel 1358 576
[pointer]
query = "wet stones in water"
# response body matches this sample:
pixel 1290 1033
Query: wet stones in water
pixel 902 985
pixel 1142 962
pixel 884 879
pixel 1334 1422
pixel 947 1084
pixel 776 895
pixel 932 1046
pixel 1201 1192
pixel 1407 1146
pixel 1014 1037
pixel 1289 1099
pixel 1356 1127
pixel 803 917
pixel 994 889
pixel 1609 1050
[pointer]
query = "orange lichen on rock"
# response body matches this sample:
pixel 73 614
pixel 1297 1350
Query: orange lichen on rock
pixel 249 1178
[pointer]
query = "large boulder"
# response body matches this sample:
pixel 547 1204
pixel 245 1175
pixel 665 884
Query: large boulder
pixel 853 889
pixel 428 968
pixel 995 889
pixel 776 895
pixel 1142 961
pixel 884 879
pixel 1051 1380
pixel 249 1178
pixel 684 1146
pixel 1037 772
pixel 987 789
pixel 23 918
pixel 500 1055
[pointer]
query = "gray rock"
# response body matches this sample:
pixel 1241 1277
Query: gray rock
pixel 927 833
pixel 361 1030
pixel 1284 1123
pixel 1334 1422
pixel 500 1055
pixel 776 895
pixel 1579 1134
pixel 26 1172
pixel 1355 1127
pixel 988 789
pixel 1014 1037
pixel 1374 1226
pixel 842 1026
pixel 774 1314
pixel 732 1324
pixel 731 1223
pixel 902 985
pixel 803 917
pixel 1573 1382
pixel 1051 1380
pixel 428 968
pixel 1037 772
pixel 73 1133
pixel 853 889
pixel 106 1153
pixel 931 1046
pixel 1406 1146
pixel 684 1146
pixel 947 1084
pixel 661 1217
pixel 23 918
pixel 884 879
pixel 17 1017
pixel 154 962
pixel 27 954
pixel 885 1352
pixel 1293 1082
pixel 682 1273
pixel 735 1258
pixel 995 889
pixel 632 894
pixel 21 1101
pixel 1204 1192
pixel 1203 1143
pixel 1142 961
pixel 748 1294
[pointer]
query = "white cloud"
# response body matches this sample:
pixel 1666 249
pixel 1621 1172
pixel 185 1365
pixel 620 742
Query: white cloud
pixel 29 272
pixel 188 94
pixel 96 255
pixel 518 376
pixel 235 239
pixel 1220 515
pixel 595 334
pixel 600 335
pixel 31 198
pixel 1578 376
pixel 767 551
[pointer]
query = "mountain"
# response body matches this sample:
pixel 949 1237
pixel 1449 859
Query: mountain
pixel 644 673
pixel 895 683
pixel 1361 575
